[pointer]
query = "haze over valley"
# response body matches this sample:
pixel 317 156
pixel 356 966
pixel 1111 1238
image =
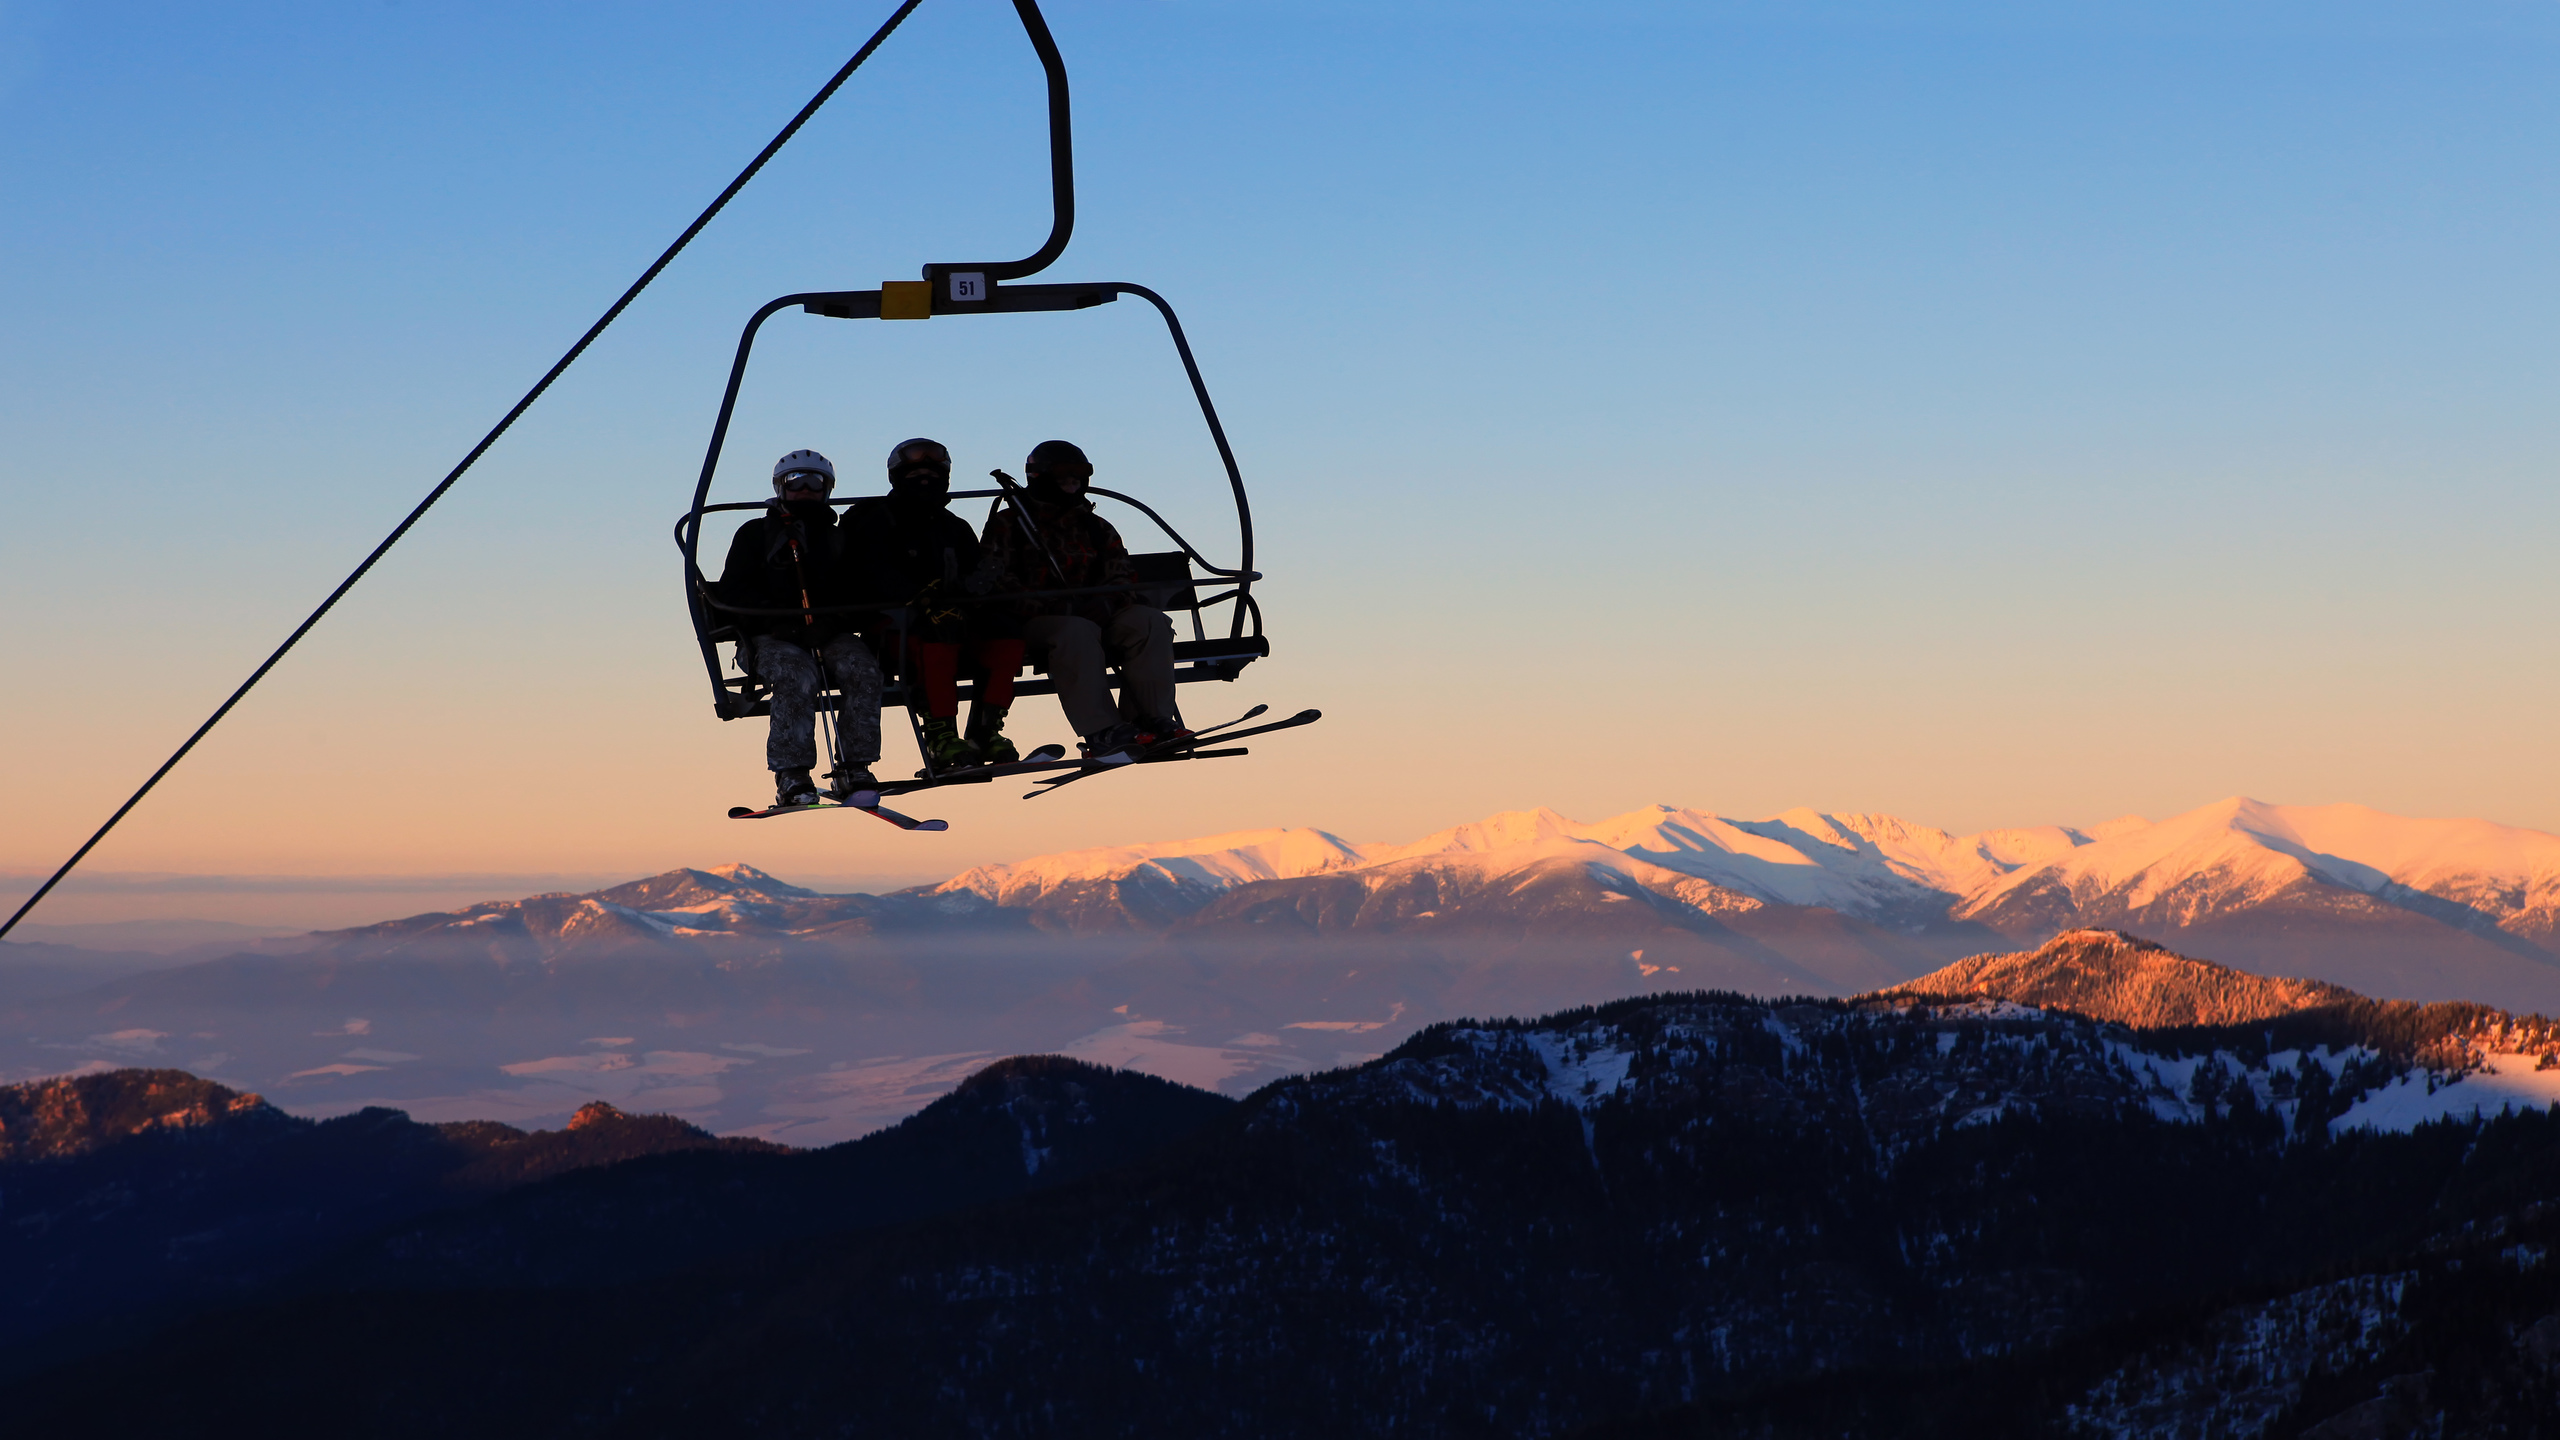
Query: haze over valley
pixel 752 1006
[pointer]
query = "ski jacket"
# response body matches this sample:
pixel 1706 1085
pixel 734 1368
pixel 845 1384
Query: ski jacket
pixel 1087 551
pixel 791 555
pixel 909 550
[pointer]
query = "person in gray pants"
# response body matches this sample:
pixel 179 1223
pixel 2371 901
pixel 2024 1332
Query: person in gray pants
pixel 792 559
pixel 1047 537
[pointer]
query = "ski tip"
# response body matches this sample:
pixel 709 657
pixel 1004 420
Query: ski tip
pixel 1308 715
pixel 933 824
pixel 1047 753
pixel 1256 710
pixel 741 812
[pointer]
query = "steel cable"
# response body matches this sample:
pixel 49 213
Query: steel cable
pixel 554 373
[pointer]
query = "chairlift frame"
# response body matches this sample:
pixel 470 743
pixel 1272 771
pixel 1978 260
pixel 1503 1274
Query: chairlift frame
pixel 986 288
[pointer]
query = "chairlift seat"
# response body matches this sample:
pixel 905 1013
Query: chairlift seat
pixel 1203 657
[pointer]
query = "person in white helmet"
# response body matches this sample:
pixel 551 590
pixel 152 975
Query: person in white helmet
pixel 791 560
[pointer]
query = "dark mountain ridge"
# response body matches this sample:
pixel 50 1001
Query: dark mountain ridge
pixel 142 1193
pixel 1022 1124
pixel 1684 1204
pixel 136 1196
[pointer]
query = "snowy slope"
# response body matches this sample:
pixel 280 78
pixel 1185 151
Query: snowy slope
pixel 1211 863
pixel 1856 863
pixel 1891 1073
pixel 1530 883
pixel 2239 853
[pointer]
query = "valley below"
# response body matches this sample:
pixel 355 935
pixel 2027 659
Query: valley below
pixel 755 1007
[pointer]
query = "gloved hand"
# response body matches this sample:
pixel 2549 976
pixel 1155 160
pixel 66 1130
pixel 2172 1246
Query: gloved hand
pixel 935 604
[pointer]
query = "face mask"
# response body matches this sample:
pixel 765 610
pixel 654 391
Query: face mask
pixel 921 485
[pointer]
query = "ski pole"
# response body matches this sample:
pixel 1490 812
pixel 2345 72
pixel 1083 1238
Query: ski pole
pixel 1022 514
pixel 808 612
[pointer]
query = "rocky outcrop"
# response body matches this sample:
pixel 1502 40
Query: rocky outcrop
pixel 76 1114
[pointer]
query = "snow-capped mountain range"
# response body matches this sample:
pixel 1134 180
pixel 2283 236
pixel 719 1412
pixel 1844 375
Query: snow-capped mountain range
pixel 2342 892
pixel 2236 854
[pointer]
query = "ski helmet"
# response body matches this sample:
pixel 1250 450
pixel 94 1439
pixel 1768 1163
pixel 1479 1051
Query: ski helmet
pixel 1050 453
pixel 1055 467
pixel 936 447
pixel 805 462
pixel 919 475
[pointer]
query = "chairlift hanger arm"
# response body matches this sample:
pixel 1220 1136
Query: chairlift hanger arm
pixel 1062 167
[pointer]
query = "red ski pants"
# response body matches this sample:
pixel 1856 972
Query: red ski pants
pixel 935 666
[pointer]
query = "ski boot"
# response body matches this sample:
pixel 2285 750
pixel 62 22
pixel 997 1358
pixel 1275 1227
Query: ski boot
pixel 793 787
pixel 944 750
pixel 1117 745
pixel 986 732
pixel 844 784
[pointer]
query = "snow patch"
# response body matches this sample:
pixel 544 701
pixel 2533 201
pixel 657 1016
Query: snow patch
pixel 2503 1084
pixel 1582 1069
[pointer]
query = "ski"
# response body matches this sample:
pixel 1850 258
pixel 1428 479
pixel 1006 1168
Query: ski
pixel 903 822
pixel 1254 713
pixel 1088 767
pixel 1047 757
pixel 1222 736
pixel 1186 748
pixel 874 810
pixel 748 812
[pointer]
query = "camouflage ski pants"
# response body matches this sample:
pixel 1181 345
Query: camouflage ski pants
pixel 787 666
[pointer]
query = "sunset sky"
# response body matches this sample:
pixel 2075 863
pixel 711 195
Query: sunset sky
pixel 1990 414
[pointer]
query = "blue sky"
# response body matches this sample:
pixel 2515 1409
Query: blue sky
pixel 1989 414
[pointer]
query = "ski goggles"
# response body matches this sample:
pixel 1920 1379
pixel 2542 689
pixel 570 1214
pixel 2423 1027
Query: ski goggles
pixel 807 480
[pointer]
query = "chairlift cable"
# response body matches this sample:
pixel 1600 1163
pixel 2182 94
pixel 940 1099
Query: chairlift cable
pixel 771 149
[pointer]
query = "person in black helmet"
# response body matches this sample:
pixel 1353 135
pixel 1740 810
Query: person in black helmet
pixel 923 556
pixel 792 559
pixel 1053 540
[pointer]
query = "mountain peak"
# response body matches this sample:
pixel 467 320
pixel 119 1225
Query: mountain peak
pixel 1495 832
pixel 2115 976
pixel 746 874
pixel 1206 864
pixel 685 888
